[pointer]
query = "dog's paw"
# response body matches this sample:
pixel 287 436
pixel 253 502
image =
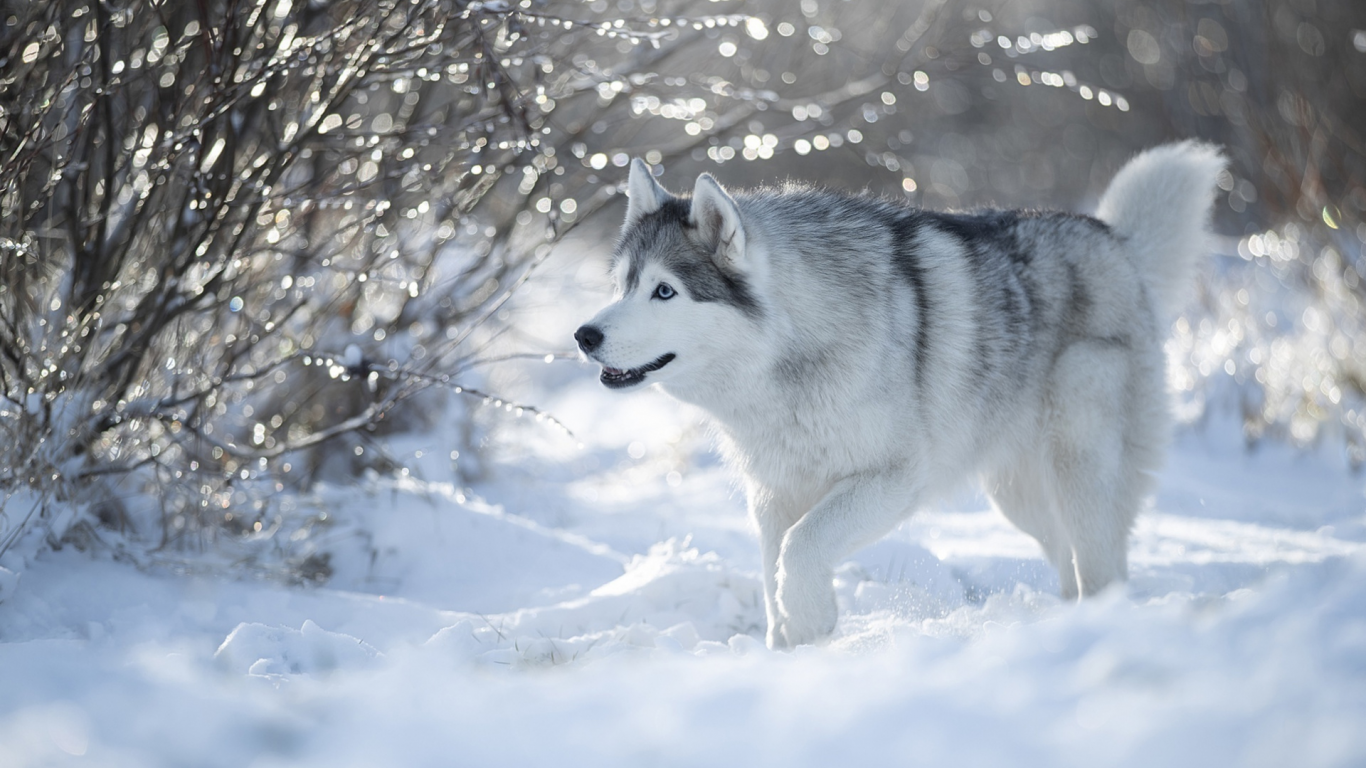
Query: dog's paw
pixel 777 637
pixel 807 633
pixel 808 608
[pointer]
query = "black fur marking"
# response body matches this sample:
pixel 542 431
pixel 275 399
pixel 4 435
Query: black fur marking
pixel 704 281
pixel 991 229
pixel 1000 265
pixel 906 262
pixel 974 228
pixel 668 238
pixel 987 271
pixel 1020 309
pixel 1076 317
pixel 1017 300
pixel 656 230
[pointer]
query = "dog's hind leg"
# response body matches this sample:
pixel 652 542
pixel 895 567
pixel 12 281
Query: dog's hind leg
pixel 1023 493
pixel 857 510
pixel 1096 485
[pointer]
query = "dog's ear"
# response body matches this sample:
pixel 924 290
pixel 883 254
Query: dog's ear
pixel 717 219
pixel 644 193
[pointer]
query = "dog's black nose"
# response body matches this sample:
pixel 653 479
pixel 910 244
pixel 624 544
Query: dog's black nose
pixel 588 338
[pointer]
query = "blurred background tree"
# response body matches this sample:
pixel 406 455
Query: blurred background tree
pixel 242 239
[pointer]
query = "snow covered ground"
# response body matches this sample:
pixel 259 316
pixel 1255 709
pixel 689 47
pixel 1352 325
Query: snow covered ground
pixel 595 600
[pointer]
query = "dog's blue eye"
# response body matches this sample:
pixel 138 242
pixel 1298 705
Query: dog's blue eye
pixel 663 291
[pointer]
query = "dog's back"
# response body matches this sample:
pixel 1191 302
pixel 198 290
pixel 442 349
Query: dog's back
pixel 934 332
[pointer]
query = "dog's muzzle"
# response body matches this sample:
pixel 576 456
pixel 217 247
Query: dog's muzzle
pixel 590 338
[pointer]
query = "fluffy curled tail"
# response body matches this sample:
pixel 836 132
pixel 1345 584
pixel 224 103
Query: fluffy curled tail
pixel 1160 203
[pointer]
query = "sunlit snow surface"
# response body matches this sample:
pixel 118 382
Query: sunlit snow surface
pixel 601 605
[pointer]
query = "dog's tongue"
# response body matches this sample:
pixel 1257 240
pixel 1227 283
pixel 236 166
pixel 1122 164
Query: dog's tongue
pixel 611 371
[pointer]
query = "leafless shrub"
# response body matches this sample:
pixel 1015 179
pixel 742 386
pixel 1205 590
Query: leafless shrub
pixel 235 231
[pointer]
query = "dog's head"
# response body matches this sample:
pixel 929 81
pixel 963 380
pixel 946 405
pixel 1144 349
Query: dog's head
pixel 684 285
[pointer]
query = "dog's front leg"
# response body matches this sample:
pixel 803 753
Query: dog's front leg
pixel 773 519
pixel 770 544
pixel 857 510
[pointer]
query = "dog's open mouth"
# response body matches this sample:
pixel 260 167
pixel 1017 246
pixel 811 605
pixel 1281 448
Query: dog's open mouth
pixel 615 378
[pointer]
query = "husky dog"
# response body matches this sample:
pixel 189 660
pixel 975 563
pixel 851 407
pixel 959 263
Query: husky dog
pixel 861 356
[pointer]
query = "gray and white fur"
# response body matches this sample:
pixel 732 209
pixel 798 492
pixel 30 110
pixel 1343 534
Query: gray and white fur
pixel 861 357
